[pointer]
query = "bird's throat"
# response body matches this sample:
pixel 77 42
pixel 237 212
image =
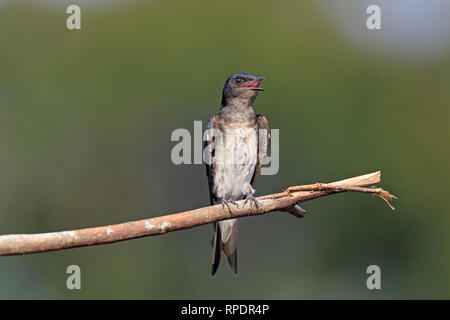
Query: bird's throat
pixel 237 112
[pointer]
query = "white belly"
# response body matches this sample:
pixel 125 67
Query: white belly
pixel 235 164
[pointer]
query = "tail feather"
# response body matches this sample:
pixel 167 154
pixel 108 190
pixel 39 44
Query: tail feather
pixel 217 248
pixel 230 248
pixel 225 239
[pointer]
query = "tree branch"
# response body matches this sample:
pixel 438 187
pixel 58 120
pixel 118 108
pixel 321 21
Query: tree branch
pixel 284 201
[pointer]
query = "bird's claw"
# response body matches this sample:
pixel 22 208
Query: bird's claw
pixel 252 200
pixel 226 203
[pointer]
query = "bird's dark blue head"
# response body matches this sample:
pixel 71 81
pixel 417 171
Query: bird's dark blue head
pixel 241 88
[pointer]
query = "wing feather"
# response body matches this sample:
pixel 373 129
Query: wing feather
pixel 207 146
pixel 263 143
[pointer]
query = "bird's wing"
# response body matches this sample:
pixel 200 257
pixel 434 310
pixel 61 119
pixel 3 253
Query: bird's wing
pixel 208 147
pixel 263 143
pixel 216 242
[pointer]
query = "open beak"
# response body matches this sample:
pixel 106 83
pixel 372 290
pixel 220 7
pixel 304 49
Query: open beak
pixel 254 84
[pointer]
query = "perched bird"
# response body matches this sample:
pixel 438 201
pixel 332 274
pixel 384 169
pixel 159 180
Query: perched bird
pixel 236 141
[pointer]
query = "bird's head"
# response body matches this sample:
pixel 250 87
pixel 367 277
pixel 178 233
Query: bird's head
pixel 241 88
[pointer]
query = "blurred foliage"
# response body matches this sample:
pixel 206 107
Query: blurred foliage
pixel 85 124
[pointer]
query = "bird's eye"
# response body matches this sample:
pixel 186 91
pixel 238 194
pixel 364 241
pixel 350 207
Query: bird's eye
pixel 238 80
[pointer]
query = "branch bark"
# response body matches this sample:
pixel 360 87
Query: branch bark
pixel 287 201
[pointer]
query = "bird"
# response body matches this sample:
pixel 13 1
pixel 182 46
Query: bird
pixel 236 141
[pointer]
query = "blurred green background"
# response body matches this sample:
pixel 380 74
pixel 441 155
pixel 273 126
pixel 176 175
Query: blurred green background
pixel 86 118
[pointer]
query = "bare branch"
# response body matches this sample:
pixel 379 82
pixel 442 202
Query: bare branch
pixel 284 201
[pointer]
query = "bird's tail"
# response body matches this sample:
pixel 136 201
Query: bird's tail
pixel 225 239
pixel 217 248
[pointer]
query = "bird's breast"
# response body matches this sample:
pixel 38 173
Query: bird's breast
pixel 234 161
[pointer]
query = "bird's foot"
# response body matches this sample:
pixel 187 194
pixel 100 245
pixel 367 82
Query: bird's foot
pixel 252 200
pixel 227 203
